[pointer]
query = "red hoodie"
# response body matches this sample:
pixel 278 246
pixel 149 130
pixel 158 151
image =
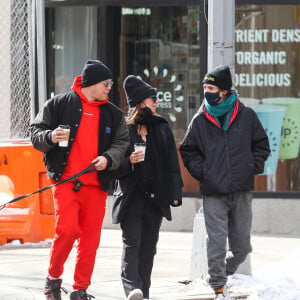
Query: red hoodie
pixel 85 145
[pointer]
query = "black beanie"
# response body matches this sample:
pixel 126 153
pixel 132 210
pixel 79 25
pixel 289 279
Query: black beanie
pixel 137 90
pixel 220 77
pixel 94 71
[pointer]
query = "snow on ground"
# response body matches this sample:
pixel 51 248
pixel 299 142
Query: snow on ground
pixel 280 281
pixel 15 243
pixel 277 281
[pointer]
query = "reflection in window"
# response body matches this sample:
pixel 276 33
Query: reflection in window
pixel 74 43
pixel 161 45
pixel 267 78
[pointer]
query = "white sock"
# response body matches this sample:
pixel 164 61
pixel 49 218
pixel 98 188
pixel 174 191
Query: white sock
pixel 52 278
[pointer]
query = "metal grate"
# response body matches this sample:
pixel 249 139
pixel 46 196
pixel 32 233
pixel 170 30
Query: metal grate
pixel 16 85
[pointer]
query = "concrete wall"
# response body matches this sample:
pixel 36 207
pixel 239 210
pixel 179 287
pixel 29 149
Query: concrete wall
pixel 276 216
pixel 272 216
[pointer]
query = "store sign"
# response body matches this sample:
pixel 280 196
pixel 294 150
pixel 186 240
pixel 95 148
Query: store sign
pixel 276 56
pixel 164 99
pixel 169 94
pixel 136 11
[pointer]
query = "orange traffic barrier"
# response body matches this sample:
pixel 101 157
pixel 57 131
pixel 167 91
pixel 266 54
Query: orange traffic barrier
pixel 7 189
pixel 21 172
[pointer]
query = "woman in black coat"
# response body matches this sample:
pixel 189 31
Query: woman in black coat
pixel 146 187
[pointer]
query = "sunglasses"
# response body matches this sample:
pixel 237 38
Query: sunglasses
pixel 107 83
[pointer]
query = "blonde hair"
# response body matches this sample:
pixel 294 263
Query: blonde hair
pixel 133 113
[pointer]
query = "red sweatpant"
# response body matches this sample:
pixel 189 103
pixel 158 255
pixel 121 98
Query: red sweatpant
pixel 78 215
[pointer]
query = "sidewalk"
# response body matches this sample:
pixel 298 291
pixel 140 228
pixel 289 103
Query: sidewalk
pixel 23 267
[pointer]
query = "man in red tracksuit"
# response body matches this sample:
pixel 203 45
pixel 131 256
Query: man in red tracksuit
pixel 98 134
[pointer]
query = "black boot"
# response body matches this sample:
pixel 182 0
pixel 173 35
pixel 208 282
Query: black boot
pixel 80 295
pixel 52 289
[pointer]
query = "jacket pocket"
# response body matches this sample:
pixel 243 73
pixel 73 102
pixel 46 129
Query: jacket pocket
pixel 203 171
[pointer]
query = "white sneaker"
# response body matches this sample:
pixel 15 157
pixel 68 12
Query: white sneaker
pixel 224 296
pixel 220 297
pixel 135 294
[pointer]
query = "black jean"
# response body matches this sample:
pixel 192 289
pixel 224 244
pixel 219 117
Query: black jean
pixel 140 232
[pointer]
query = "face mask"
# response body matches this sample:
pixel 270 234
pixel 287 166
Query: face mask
pixel 212 98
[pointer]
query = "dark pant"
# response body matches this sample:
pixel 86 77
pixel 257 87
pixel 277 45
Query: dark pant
pixel 140 231
pixel 227 217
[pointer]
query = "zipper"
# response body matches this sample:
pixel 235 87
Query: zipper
pixel 227 160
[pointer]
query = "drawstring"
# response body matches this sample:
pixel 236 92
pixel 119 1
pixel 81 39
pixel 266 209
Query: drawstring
pixel 76 188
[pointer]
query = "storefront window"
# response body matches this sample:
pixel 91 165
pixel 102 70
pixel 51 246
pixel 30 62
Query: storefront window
pixel 73 41
pixel 267 56
pixel 161 45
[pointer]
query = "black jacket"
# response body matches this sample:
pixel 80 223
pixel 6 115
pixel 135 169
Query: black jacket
pixel 170 187
pixel 225 162
pixel 67 109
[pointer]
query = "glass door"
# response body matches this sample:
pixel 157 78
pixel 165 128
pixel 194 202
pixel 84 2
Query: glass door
pixel 161 45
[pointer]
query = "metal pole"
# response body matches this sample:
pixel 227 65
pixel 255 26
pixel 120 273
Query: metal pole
pixel 221 20
pixel 41 52
pixel 32 57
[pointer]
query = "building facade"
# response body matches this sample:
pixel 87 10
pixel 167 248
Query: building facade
pixel 165 43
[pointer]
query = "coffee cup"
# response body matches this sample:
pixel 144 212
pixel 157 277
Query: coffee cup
pixel 140 147
pixel 67 130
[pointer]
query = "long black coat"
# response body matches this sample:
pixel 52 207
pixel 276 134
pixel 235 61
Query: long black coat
pixel 167 187
pixel 225 162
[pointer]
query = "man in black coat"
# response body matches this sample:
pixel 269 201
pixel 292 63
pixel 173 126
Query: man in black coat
pixel 224 148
